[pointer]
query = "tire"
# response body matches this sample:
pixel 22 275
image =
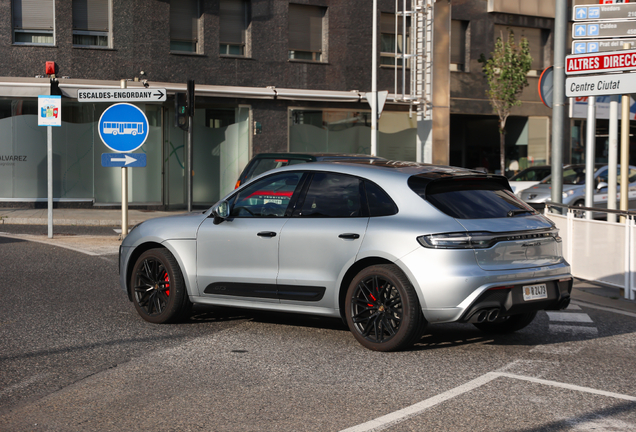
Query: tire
pixel 507 324
pixel 382 309
pixel 579 213
pixel 158 289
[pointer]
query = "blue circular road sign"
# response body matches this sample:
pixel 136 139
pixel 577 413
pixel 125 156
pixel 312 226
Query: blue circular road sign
pixel 123 127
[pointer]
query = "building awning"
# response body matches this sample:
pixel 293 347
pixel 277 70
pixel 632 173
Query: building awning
pixel 32 87
pixel 24 87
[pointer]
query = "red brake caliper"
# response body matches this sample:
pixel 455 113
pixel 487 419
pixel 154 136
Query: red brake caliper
pixel 167 279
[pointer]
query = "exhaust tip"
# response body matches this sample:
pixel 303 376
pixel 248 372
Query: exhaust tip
pixel 493 314
pixel 482 316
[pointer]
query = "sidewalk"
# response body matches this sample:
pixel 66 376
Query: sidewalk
pixel 583 291
pixel 81 217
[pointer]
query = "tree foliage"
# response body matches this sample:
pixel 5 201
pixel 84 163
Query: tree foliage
pixel 506 72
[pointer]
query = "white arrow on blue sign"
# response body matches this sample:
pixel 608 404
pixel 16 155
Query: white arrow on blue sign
pixel 133 160
pixel 123 127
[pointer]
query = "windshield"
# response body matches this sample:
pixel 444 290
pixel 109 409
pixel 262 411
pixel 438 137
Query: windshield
pixel 531 174
pixel 571 176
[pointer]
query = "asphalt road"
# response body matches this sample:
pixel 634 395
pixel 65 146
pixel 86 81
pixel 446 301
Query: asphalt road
pixel 75 356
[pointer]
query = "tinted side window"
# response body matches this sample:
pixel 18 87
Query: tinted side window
pixel 268 197
pixel 469 198
pixel 380 204
pixel 334 196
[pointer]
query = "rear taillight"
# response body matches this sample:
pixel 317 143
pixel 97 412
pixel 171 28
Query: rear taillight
pixel 482 240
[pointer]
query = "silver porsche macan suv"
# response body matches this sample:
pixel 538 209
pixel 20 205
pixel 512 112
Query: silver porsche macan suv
pixel 387 246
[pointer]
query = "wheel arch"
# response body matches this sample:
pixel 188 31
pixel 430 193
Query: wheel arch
pixel 134 256
pixel 356 268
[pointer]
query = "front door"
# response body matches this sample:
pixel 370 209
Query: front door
pixel 239 256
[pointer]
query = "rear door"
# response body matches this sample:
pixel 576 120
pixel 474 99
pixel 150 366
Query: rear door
pixel 321 239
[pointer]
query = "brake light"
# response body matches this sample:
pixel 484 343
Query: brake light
pixel 482 240
pixel 282 160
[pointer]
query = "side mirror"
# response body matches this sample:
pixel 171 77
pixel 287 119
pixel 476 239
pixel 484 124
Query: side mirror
pixel 221 212
pixel 601 185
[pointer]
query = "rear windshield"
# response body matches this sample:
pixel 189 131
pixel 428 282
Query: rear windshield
pixel 471 198
pixel 531 174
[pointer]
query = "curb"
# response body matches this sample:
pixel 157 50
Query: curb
pixel 72 222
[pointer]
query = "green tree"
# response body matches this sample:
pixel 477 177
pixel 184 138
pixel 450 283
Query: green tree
pixel 506 72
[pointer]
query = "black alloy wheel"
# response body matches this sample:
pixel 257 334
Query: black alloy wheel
pixel 382 309
pixel 158 289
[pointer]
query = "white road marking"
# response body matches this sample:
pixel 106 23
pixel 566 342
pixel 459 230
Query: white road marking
pixel 607 309
pixel 89 245
pixel 557 349
pixel 573 307
pixel 557 328
pixel 569 317
pixel 398 416
pixel 27 382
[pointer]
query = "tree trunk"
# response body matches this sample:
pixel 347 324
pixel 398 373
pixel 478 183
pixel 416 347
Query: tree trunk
pixel 502 151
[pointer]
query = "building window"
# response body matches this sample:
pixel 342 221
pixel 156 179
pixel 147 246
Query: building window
pixel 458 45
pixel 234 20
pixel 184 25
pixel 537 40
pixel 91 23
pixel 392 42
pixel 33 22
pixel 306 32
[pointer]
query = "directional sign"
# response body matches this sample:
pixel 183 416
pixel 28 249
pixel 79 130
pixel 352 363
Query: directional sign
pixel 115 95
pixel 596 12
pixel 600 85
pixel 604 29
pixel 123 127
pixel 601 45
pixel 124 160
pixel 615 61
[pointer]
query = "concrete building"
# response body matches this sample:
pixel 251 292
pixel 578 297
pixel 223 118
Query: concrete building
pixel 272 75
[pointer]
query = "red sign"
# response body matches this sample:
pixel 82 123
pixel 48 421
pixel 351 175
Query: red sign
pixel 613 61
pixel 612 1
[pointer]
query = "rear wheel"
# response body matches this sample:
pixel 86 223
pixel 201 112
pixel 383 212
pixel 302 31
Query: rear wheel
pixel 157 287
pixel 507 324
pixel 579 213
pixel 382 309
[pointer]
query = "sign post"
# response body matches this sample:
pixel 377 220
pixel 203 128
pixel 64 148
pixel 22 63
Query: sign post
pixel 49 114
pixel 123 128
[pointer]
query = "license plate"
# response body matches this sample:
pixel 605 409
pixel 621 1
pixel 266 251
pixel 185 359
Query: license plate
pixel 535 292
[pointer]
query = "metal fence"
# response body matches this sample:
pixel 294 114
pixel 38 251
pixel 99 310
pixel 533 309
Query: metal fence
pixel 598 250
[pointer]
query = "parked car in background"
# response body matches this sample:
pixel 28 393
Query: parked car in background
pixel 264 162
pixel 529 177
pixel 387 246
pixel 574 188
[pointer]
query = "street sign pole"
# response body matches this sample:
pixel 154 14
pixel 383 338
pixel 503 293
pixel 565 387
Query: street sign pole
pixel 590 149
pixel 612 158
pixel 124 189
pixel 49 177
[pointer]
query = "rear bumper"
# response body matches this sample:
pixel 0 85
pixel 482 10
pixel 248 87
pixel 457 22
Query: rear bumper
pixel 509 300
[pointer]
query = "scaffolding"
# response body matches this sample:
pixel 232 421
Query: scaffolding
pixel 418 58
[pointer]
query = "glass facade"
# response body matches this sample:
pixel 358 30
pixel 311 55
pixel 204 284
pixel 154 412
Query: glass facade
pixel 342 131
pixel 220 150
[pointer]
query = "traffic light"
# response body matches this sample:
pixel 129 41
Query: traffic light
pixel 181 111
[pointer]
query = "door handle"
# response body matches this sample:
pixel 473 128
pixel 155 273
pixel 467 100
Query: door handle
pixel 266 234
pixel 349 236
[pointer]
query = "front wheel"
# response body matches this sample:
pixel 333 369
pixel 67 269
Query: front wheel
pixel 507 324
pixel 158 289
pixel 382 309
